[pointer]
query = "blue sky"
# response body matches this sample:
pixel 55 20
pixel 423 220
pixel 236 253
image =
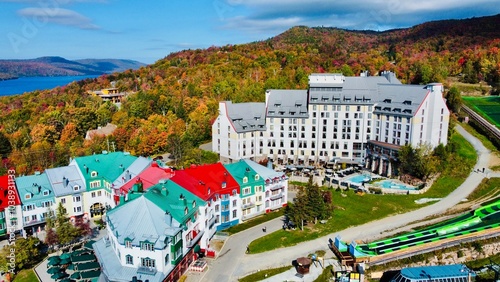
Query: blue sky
pixel 150 30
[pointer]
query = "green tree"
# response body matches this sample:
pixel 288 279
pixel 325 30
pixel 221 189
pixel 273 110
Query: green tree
pixel 315 201
pixel 65 231
pixel 454 99
pixel 26 250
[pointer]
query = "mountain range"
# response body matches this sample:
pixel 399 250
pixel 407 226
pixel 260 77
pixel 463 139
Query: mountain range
pixel 58 66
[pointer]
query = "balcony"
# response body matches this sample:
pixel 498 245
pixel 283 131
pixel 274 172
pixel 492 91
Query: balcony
pixel 211 222
pixel 148 270
pixel 248 205
pixel 276 186
pixel 277 196
pixel 198 234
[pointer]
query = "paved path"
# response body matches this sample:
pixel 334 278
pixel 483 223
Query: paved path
pixel 233 263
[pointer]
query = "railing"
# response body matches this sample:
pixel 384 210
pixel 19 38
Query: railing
pixel 482 122
pixel 211 222
pixel 249 205
pixel 193 241
pixel 277 196
pixel 147 270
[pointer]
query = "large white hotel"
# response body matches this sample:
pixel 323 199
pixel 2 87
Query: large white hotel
pixel 359 120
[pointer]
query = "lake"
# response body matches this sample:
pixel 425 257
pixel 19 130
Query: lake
pixel 27 84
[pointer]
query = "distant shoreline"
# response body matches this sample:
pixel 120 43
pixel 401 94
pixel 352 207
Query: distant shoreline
pixel 8 78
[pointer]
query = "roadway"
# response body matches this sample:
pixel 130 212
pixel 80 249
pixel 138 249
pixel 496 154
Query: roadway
pixel 232 262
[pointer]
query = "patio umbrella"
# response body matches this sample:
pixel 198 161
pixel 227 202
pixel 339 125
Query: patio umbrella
pixel 53 262
pixel 54 270
pixel 65 261
pixel 65 280
pixel 54 258
pixel 75 275
pixel 71 267
pixel 58 275
pixel 65 256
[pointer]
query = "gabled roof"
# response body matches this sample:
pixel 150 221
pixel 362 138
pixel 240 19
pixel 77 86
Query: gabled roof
pixel 400 99
pixel 169 196
pixel 64 180
pixel 264 172
pixel 149 177
pixel 206 180
pixel 5 191
pixel 287 103
pixel 141 220
pixel 241 169
pixel 105 131
pixel 108 165
pixel 160 212
pixel 246 117
pixel 35 186
pixel 128 173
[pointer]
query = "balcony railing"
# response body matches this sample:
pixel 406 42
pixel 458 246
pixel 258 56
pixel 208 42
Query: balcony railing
pixel 248 205
pixel 277 196
pixel 148 270
pixel 193 241
pixel 277 186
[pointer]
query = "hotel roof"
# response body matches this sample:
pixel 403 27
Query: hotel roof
pixel 149 177
pixel 107 165
pixel 246 117
pixel 287 103
pixel 264 172
pixel 437 271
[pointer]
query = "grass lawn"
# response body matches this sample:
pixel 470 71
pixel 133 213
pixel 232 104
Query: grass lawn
pixel 487 107
pixel 254 221
pixel 263 274
pixel 352 209
pixel 27 275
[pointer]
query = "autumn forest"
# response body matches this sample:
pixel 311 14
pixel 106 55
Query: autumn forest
pixel 176 98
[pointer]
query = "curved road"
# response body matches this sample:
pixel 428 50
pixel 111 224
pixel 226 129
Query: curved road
pixel 233 263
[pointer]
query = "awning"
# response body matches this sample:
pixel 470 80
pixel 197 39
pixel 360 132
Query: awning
pixel 197 248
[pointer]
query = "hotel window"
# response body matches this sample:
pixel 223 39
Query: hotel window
pixel 95 184
pixel 167 259
pixel 128 244
pixel 146 246
pixel 246 190
pixel 76 199
pixel 245 179
pixel 129 259
pixel 63 201
pixel 27 196
pixel 93 174
pixel 234 203
pixel 147 262
pixel 234 213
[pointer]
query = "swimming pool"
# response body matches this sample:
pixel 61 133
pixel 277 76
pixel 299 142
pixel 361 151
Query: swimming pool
pixel 360 178
pixel 393 185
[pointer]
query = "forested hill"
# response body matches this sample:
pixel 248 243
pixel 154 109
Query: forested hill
pixel 57 66
pixel 177 97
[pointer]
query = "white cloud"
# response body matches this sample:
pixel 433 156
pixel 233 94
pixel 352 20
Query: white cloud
pixel 58 16
pixel 265 15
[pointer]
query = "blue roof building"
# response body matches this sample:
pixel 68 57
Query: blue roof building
pixel 437 273
pixel 37 198
pixel 68 186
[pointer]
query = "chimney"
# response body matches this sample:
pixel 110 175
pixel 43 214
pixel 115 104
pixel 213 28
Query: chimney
pixel 168 218
pixel 122 168
pixel 86 168
pixel 164 191
pixel 66 181
pixel 134 278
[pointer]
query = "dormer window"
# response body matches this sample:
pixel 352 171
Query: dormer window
pixel 223 184
pixel 93 174
pixel 186 211
pixel 27 196
pixel 194 204
pixel 208 191
pixel 388 101
pixel 128 243
pixel 245 179
pixel 45 192
pixel 407 102
pixel 76 188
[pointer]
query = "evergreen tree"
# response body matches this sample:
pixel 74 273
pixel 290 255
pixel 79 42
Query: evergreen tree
pixel 5 146
pixel 65 231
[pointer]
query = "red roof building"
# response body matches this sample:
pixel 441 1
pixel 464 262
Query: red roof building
pixel 10 206
pixel 149 177
pixel 214 184
pixel 206 181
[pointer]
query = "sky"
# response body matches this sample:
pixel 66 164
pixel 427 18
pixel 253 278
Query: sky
pixel 147 31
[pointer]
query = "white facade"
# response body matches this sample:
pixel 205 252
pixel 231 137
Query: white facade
pixel 336 117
